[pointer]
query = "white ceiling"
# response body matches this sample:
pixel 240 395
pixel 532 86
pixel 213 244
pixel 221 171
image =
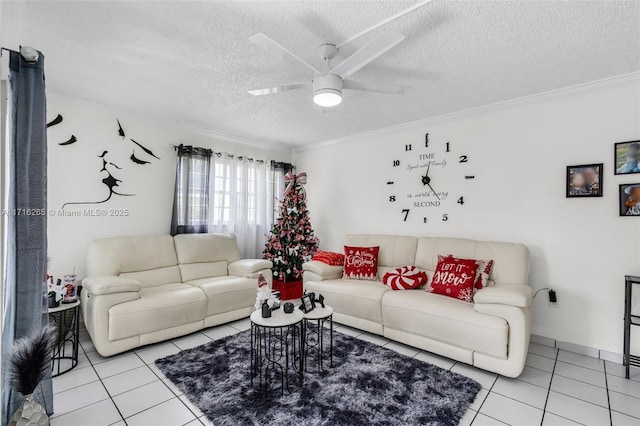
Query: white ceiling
pixel 192 61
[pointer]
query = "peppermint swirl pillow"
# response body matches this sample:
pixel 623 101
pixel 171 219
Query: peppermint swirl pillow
pixel 405 278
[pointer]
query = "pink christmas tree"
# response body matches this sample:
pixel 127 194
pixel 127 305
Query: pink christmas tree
pixel 291 241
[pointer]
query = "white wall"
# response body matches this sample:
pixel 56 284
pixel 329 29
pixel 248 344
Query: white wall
pixel 74 175
pixel 579 247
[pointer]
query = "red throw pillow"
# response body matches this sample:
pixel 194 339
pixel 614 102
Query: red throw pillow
pixel 361 263
pixel 330 258
pixel 482 277
pixel 454 277
pixel 405 278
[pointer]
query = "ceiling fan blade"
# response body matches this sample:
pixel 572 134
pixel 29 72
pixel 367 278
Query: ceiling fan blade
pixel 374 86
pixel 278 89
pixel 279 51
pixel 367 53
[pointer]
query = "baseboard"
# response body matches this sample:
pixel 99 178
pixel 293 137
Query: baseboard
pixel 579 349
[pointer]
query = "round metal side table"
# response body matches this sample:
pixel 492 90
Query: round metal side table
pixel 314 335
pixel 66 320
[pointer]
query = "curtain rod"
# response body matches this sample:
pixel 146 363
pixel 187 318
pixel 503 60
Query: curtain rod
pixel 220 154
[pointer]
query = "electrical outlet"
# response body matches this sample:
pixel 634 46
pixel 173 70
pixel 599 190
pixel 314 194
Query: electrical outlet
pixel 553 299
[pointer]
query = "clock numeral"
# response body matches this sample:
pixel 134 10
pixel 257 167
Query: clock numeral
pixel 445 217
pixel 405 212
pixel 392 198
pixel 396 163
pixel 407 147
pixel 425 220
pixel 448 147
pixel 389 182
pixel 461 201
pixel 464 159
pixel 426 140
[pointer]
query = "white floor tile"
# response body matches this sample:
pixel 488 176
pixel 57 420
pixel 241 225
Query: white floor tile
pixel 118 365
pixel 543 350
pixel 536 377
pixel 407 350
pixel 374 338
pixel 78 397
pixel 195 410
pixel 540 362
pixel 582 374
pixel 160 350
pixel 619 370
pixel 88 346
pixel 480 397
pixel 242 325
pixel 215 333
pixel 156 370
pixel 551 419
pixel 353 332
pixel 584 391
pixel 191 341
pixel 619 419
pixel 467 418
pixel 83 361
pixel 128 380
pixel 195 422
pixel 485 378
pixel 120 423
pixel 205 421
pixel 434 359
pixel 577 410
pixel 483 420
pixel 625 404
pixel 581 360
pixel 142 398
pixel 510 411
pixel 622 385
pixel 96 358
pixel 74 378
pixel 521 391
pixel 101 413
pixel 176 391
pixel 169 413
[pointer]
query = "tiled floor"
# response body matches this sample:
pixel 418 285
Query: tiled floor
pixel 557 387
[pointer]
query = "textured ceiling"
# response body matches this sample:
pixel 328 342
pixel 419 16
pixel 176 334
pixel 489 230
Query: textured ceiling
pixel 192 61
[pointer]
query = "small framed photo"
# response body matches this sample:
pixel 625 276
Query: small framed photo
pixel 627 157
pixel 584 181
pixel 308 304
pixel 630 199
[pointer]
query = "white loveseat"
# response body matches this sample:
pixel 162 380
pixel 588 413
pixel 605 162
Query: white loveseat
pixel 145 289
pixel 491 333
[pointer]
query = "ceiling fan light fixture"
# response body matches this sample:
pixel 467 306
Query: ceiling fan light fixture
pixel 327 98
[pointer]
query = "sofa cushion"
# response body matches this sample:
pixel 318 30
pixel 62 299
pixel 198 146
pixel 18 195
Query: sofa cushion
pixel 194 271
pixel 356 298
pixel 454 277
pixel 445 319
pixel 158 308
pixel 113 256
pixel 361 263
pixel 198 248
pixel 155 277
pixel 395 250
pixel 405 278
pixel 226 294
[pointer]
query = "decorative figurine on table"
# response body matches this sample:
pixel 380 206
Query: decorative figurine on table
pixel 265 297
pixel 55 292
pixel 288 307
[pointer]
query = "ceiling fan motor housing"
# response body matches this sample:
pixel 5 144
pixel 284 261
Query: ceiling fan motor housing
pixel 327 90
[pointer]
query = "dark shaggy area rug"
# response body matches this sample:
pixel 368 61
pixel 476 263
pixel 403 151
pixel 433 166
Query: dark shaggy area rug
pixel 368 385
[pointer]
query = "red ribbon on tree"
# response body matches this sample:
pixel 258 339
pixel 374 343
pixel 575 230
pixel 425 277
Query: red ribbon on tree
pixel 290 179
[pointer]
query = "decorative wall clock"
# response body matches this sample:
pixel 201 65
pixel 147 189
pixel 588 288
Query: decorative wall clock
pixel 427 179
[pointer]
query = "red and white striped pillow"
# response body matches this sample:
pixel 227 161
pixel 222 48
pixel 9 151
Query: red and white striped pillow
pixel 405 278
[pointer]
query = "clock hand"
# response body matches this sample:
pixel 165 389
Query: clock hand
pixel 434 191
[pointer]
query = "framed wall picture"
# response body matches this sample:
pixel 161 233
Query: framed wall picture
pixel 584 181
pixel 627 157
pixel 630 199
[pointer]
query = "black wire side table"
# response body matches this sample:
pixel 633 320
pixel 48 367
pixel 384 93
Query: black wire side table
pixel 314 336
pixel 277 351
pixel 66 320
pixel 629 320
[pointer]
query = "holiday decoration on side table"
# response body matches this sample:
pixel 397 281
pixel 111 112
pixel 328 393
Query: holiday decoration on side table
pixel 265 295
pixel 292 241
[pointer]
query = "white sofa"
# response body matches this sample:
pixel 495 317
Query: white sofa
pixel 145 289
pixel 491 333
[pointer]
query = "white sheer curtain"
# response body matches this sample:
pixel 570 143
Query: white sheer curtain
pixel 242 194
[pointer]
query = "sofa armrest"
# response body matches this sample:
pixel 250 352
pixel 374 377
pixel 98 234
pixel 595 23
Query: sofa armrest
pixel 248 267
pixel 322 270
pixel 110 284
pixel 513 295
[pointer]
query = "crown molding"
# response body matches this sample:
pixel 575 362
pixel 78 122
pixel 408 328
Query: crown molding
pixel 584 89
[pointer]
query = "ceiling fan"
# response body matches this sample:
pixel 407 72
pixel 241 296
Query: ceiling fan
pixel 328 83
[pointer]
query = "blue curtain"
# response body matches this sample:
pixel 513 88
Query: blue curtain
pixel 25 307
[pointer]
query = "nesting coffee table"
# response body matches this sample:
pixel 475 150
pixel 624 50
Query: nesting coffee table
pixel 314 335
pixel 277 353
